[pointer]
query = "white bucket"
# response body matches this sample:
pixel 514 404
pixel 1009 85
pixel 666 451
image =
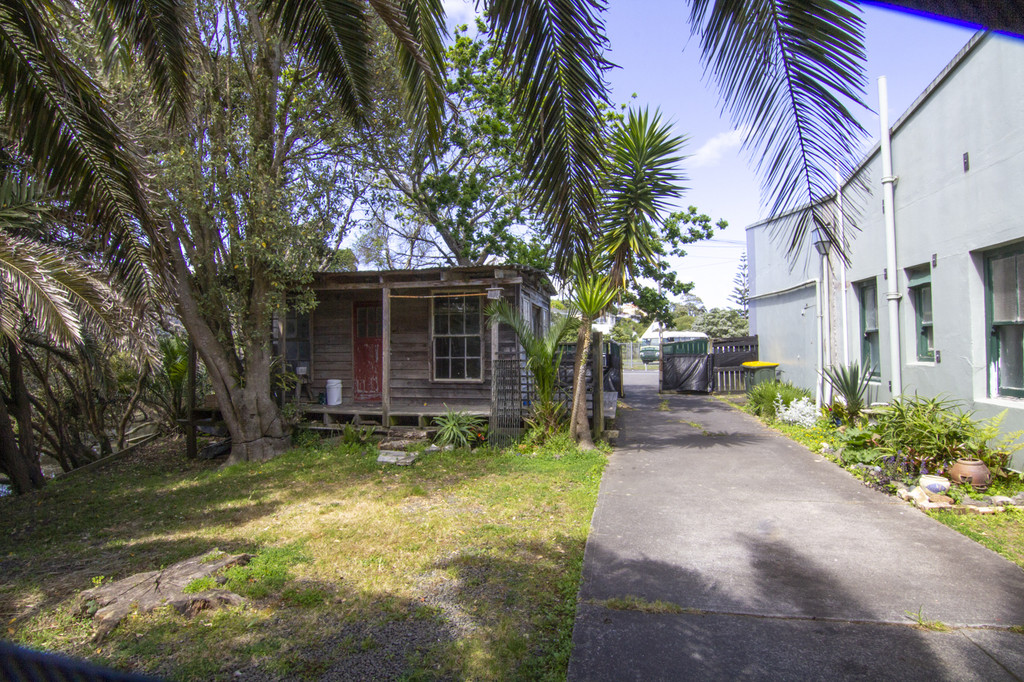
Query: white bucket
pixel 334 391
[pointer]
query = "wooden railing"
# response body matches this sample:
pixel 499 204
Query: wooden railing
pixel 730 354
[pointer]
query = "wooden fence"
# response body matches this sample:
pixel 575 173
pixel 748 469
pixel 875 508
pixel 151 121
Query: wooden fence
pixel 729 355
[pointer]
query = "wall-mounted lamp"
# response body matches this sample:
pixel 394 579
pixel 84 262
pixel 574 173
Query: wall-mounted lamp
pixel 821 241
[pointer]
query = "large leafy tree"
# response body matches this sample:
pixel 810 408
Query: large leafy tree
pixel 466 204
pixel 243 186
pixel 721 323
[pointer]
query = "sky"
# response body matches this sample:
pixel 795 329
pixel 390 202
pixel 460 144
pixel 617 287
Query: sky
pixel 659 63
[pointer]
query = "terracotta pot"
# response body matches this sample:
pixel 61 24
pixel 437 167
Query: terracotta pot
pixel 972 471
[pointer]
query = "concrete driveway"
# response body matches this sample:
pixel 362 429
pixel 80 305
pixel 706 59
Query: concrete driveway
pixel 739 554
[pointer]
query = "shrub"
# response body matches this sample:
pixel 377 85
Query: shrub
pixel 801 412
pixel 932 433
pixel 762 398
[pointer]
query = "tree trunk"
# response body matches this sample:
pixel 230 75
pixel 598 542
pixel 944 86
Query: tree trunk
pixel 243 393
pixel 25 474
pixel 22 407
pixel 579 428
pixel 122 427
pixel 246 403
pixel 260 429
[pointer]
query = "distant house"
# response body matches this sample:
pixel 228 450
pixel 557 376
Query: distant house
pixel 958 285
pixel 407 345
pixel 655 333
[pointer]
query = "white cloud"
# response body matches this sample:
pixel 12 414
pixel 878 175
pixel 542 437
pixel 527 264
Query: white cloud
pixel 458 12
pixel 711 152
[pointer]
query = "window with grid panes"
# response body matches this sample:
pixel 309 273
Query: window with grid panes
pixel 867 296
pixel 457 338
pixel 920 288
pixel 296 339
pixel 1005 311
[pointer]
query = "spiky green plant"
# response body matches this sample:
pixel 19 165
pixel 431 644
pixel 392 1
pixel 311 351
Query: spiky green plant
pixel 851 383
pixel 457 428
pixel 591 295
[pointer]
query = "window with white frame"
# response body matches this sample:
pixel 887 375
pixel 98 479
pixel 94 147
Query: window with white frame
pixel 867 298
pixel 1004 282
pixel 457 339
pixel 919 285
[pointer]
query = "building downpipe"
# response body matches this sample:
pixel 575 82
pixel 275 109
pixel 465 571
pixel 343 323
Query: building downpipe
pixel 842 272
pixel 892 275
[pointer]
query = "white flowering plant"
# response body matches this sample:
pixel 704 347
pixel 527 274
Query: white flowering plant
pixel 801 412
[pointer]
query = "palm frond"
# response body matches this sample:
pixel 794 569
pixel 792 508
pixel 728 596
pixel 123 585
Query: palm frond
pixel 553 52
pixel 58 116
pixel 23 208
pixel 25 279
pixel 162 33
pixel 1004 16
pixel 61 296
pixel 335 36
pixel 787 70
pixel 419 30
pixel 641 177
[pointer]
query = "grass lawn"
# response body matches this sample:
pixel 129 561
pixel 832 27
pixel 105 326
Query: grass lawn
pixel 463 566
pixel 1002 533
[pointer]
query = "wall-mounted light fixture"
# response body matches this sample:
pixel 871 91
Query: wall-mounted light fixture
pixel 821 241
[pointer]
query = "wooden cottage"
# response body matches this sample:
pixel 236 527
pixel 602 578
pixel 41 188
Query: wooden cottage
pixel 406 345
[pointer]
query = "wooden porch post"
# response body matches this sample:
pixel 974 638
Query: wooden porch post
pixel 385 371
pixel 597 372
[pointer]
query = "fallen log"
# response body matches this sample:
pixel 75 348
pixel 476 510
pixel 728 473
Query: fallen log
pixel 109 604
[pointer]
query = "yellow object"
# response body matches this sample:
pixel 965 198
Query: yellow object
pixel 758 363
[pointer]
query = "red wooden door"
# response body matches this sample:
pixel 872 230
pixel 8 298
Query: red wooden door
pixel 366 351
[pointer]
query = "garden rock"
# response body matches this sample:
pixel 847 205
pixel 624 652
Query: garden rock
pixel 396 457
pixel 939 498
pixel 109 604
pixel 872 469
pixel 999 500
pixel 1017 500
pixel 985 510
pixel 969 501
pixel 923 499
pixel 919 497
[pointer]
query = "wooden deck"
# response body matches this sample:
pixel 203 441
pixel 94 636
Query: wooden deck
pixel 413 414
pixel 400 414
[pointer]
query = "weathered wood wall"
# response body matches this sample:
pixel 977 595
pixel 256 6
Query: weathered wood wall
pixel 411 384
pixel 331 340
pixel 410 361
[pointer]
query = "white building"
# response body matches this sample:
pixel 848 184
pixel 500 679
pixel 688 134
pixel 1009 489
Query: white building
pixel 958 284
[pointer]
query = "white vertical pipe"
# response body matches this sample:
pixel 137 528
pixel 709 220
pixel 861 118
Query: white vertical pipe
pixel 826 327
pixel 842 273
pixel 819 365
pixel 888 203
